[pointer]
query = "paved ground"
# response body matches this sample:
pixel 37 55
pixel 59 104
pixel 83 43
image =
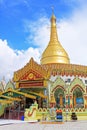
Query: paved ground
pixel 21 125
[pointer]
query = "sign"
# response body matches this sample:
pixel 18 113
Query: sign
pixel 31 84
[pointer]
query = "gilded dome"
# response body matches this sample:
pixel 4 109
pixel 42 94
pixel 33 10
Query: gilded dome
pixel 54 52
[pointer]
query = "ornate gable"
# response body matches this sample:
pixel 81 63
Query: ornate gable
pixel 9 85
pixel 58 82
pixel 31 71
pixel 77 82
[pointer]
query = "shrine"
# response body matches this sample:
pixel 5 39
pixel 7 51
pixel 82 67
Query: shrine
pixel 54 83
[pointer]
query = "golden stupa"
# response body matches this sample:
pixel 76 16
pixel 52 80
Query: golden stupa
pixel 54 53
pixel 54 82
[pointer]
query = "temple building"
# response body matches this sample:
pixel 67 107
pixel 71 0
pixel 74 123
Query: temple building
pixel 55 81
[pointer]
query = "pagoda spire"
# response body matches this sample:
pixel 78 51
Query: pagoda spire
pixel 53 35
pixel 54 52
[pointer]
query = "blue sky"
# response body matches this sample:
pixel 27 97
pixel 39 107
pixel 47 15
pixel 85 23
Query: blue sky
pixel 25 23
pixel 13 13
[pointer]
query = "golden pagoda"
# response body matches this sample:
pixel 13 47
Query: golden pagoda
pixel 54 53
pixel 55 80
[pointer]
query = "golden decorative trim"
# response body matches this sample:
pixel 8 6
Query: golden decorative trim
pixel 66 69
pixel 54 52
pixel 29 67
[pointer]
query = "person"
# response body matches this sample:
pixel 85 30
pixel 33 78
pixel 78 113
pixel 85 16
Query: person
pixel 59 116
pixel 73 116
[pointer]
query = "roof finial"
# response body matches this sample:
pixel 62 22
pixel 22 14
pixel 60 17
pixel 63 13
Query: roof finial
pixel 52 9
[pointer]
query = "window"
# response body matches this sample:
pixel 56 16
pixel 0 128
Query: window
pixel 68 80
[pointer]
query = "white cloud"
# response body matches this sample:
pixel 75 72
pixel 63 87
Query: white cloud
pixel 39 32
pixel 12 60
pixel 73 36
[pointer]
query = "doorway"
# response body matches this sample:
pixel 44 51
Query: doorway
pixel 78 101
pixel 59 98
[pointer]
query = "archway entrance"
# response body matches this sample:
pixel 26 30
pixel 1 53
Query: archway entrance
pixel 78 101
pixel 59 98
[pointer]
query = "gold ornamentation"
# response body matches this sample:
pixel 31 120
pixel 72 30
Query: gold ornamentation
pixel 31 76
pixel 54 53
pixel 31 65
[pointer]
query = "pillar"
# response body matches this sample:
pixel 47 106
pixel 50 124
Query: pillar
pixel 85 101
pixel 74 100
pixel 52 101
pixel 71 101
pixel 61 100
pixel 66 101
pixel 39 102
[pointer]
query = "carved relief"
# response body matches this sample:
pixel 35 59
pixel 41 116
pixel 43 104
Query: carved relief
pixel 24 72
